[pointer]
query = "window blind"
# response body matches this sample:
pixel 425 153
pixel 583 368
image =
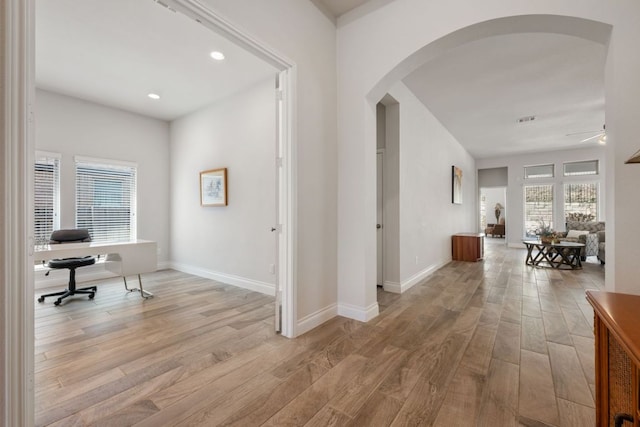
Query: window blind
pixel 46 203
pixel 589 167
pixel 106 199
pixel 539 171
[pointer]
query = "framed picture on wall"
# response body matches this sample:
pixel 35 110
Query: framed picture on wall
pixel 213 187
pixel 456 185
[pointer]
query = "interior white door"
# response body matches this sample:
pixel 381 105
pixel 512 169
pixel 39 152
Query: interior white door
pixel 379 216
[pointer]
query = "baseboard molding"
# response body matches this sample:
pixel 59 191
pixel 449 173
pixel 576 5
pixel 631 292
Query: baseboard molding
pixel 363 314
pixel 393 287
pixel 313 320
pixel 417 278
pixel 229 279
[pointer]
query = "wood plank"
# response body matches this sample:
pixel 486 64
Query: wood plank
pixel 507 343
pixel 499 406
pixel 568 378
pixel 535 401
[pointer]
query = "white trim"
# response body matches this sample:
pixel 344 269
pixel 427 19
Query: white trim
pixel 363 314
pixel 393 287
pixel 18 159
pixel 106 162
pixel 421 275
pixel 316 319
pixel 229 279
pixel 48 154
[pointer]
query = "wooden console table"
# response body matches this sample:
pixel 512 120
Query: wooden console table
pixel 617 337
pixel 467 247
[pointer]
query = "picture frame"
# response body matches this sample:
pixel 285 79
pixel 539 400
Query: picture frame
pixel 213 187
pixel 456 185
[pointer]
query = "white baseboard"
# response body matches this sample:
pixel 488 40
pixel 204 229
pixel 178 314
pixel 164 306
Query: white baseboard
pixel 363 314
pixel 393 287
pixel 313 320
pixel 415 279
pixel 229 279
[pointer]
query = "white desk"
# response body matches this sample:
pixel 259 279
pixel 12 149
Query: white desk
pixel 123 258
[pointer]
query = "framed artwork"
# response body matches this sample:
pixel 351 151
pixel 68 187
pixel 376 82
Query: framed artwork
pixel 456 185
pixel 213 187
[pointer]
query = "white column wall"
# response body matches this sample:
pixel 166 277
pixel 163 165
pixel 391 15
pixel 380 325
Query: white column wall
pixel 377 49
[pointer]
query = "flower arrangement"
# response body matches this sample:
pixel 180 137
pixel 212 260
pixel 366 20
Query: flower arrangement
pixel 546 233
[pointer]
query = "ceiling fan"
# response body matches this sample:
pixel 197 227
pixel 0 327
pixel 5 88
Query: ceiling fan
pixel 600 135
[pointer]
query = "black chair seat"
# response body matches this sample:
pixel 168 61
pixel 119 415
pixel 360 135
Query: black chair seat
pixel 70 236
pixel 71 262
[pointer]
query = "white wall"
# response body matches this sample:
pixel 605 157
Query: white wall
pixel 299 31
pixel 516 164
pixel 410 32
pixel 427 216
pixel 74 127
pixel 234 243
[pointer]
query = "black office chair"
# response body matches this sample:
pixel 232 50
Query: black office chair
pixel 70 236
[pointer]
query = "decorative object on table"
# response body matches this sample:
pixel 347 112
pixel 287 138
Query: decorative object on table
pixel 545 232
pixel 213 187
pixel 456 185
pixel 498 210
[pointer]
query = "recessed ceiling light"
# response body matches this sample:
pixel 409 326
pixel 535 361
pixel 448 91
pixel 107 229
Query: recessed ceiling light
pixel 218 56
pixel 153 96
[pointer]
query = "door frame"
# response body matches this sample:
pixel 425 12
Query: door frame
pixel 18 149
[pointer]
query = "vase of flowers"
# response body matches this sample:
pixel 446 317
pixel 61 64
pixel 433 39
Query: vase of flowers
pixel 546 233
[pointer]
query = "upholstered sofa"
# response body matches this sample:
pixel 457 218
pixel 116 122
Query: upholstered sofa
pixel 601 246
pixel 584 232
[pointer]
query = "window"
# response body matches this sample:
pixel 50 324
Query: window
pixel 539 171
pixel 106 199
pixel 581 201
pixel 538 207
pixel 46 190
pixel 589 167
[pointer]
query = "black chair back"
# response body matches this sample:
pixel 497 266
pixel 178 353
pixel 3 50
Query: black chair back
pixel 75 235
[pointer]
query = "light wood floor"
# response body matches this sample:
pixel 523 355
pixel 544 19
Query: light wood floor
pixel 494 343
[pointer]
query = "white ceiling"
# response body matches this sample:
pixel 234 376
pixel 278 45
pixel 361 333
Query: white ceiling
pixel 479 90
pixel 115 52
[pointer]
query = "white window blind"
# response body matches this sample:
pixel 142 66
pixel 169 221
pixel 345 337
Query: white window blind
pixel 46 192
pixel 589 167
pixel 538 171
pixel 106 199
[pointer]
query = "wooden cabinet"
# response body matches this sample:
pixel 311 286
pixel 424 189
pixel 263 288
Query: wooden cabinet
pixel 617 357
pixel 467 246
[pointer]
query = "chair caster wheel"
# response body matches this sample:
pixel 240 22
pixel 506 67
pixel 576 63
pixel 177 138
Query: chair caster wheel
pixel 41 299
pixel 91 296
pixel 57 302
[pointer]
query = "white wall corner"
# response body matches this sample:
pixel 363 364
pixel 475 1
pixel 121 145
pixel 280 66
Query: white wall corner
pixel 229 279
pixel 421 275
pixel 315 319
pixel 363 314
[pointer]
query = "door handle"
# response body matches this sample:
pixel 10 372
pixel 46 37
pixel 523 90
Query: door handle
pixel 378 226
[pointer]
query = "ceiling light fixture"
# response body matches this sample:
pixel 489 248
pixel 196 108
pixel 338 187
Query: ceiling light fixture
pixel 218 56
pixel 153 96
